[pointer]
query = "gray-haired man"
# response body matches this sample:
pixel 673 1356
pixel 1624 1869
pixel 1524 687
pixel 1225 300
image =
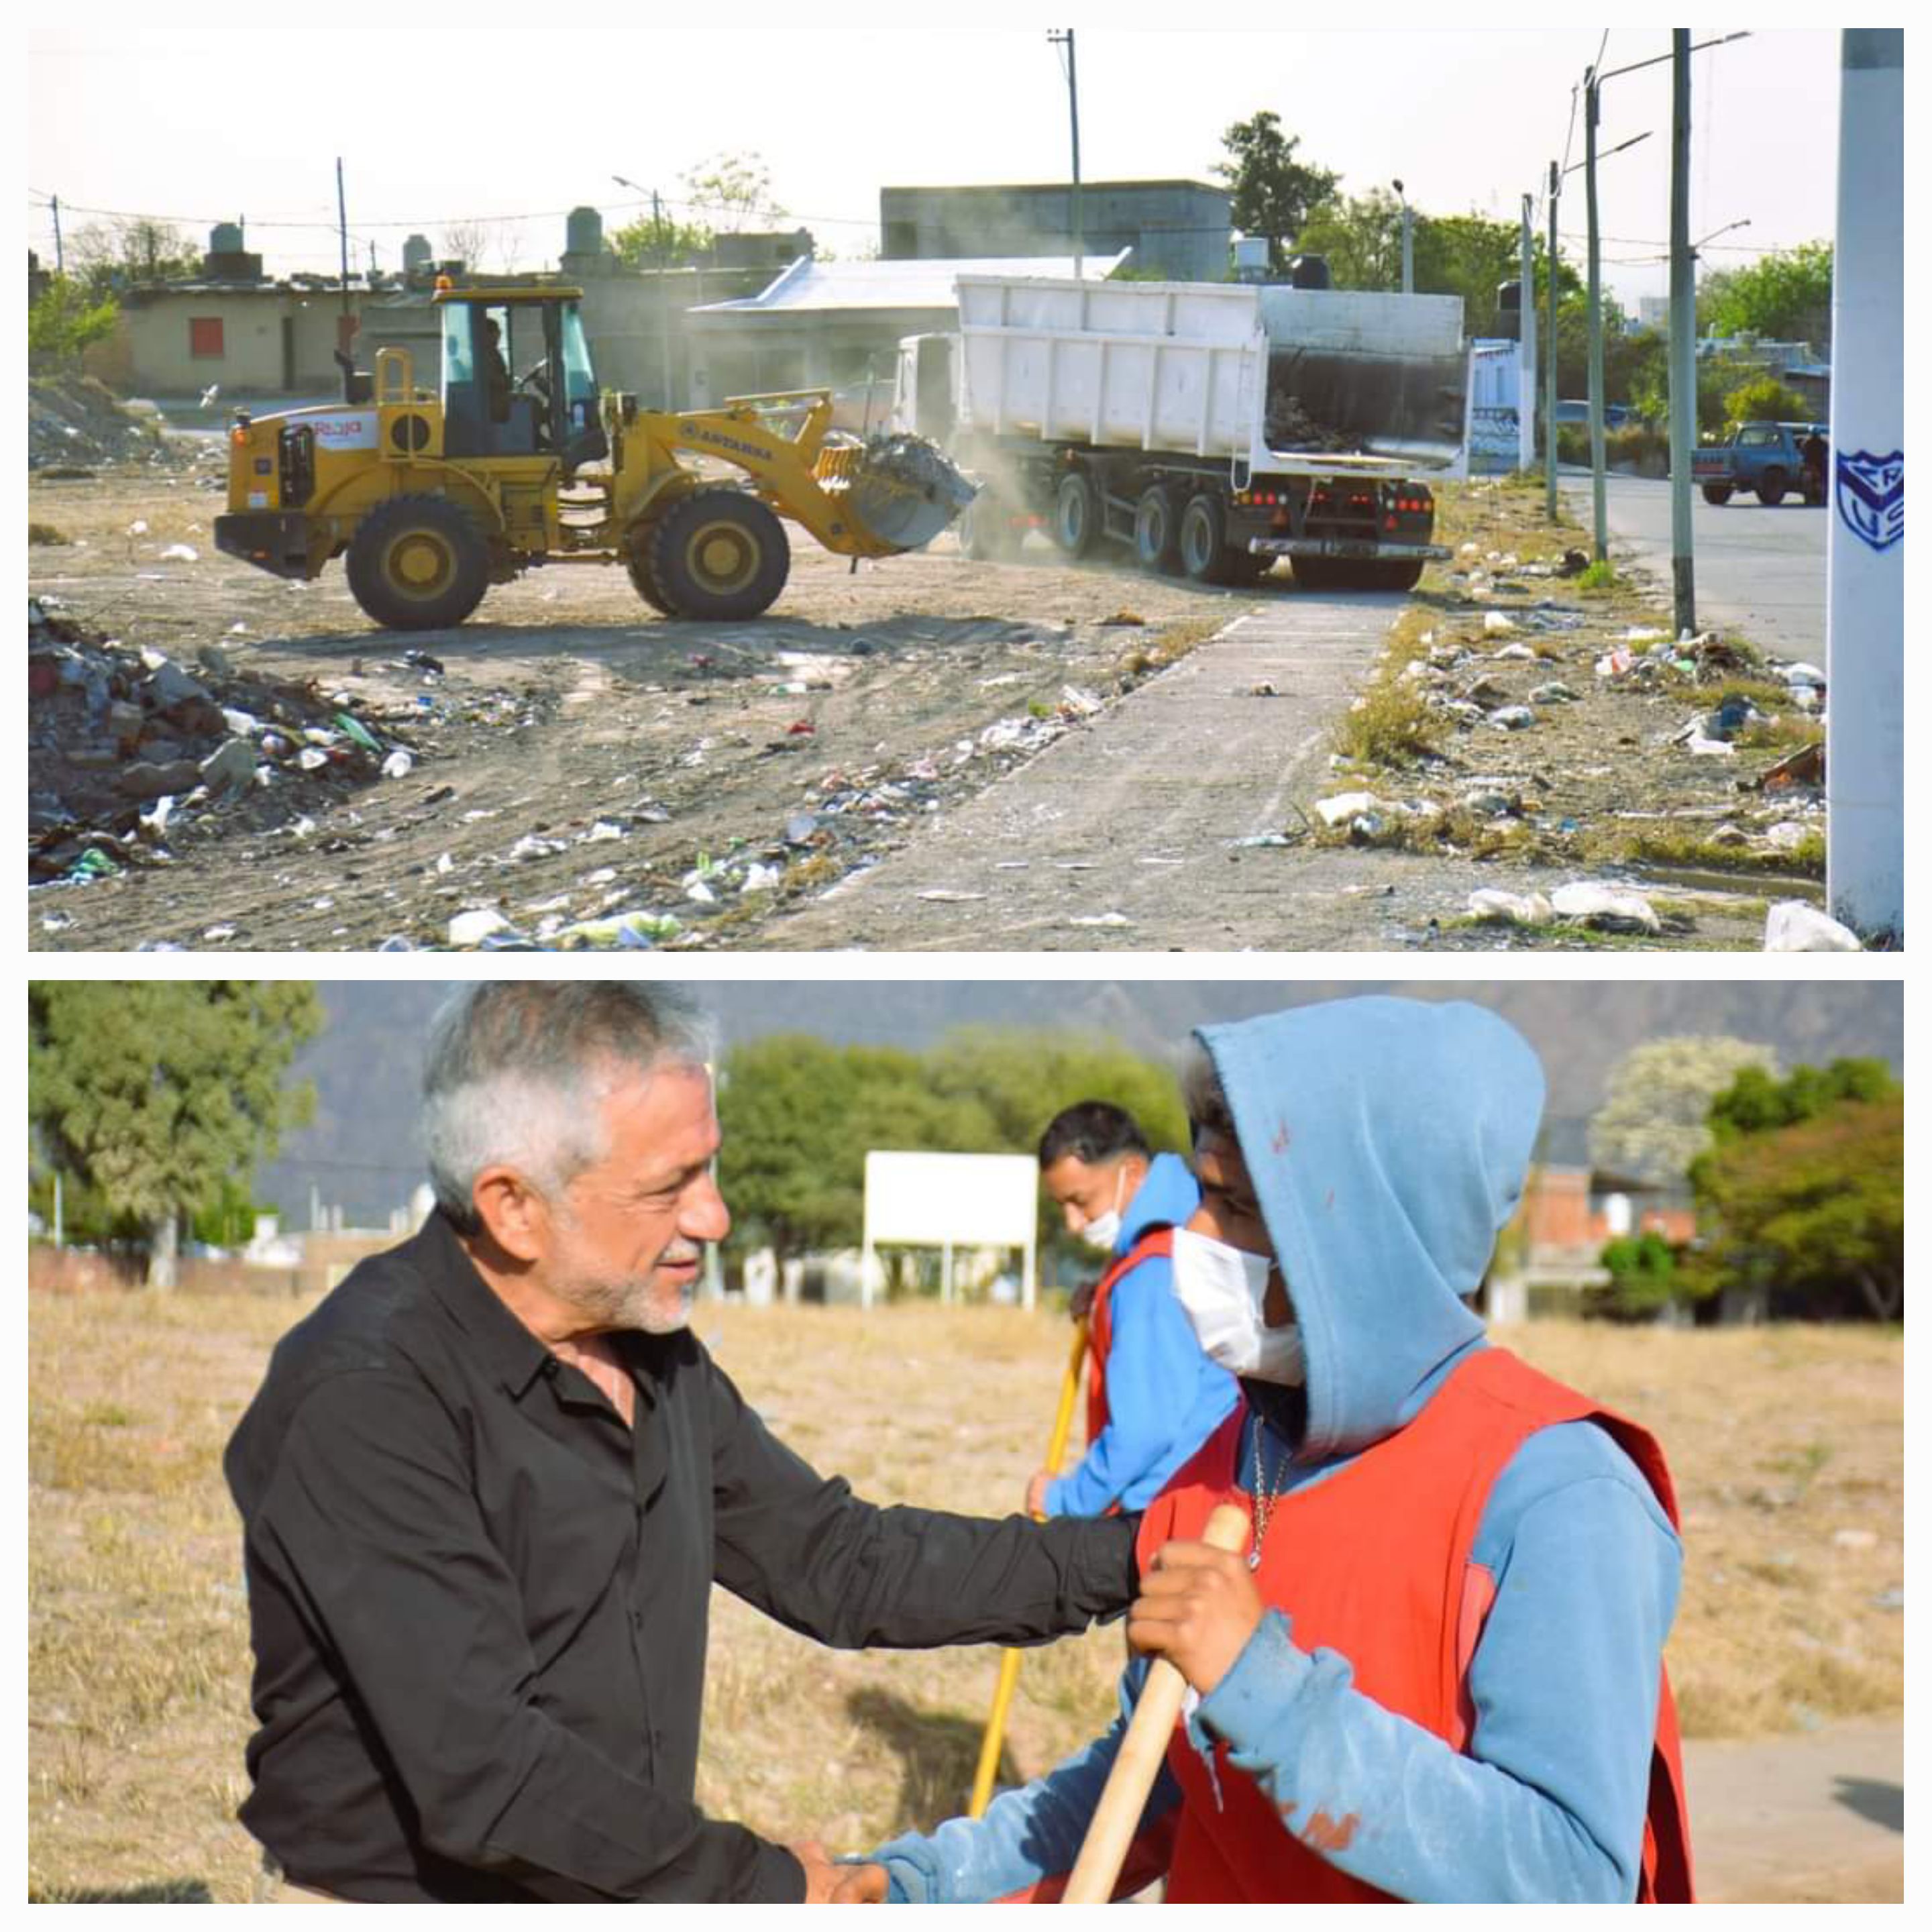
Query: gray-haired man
pixel 488 1484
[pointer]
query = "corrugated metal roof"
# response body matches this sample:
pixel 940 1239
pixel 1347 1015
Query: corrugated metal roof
pixel 809 284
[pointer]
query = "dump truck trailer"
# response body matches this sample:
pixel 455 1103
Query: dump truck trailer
pixel 1208 428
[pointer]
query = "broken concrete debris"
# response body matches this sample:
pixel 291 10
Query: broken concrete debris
pixel 112 729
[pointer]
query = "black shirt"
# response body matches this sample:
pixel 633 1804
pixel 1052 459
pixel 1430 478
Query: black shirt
pixel 478 1600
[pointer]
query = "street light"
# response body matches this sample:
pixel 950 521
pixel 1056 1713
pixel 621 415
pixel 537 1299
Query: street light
pixel 1408 244
pixel 1557 177
pixel 1593 83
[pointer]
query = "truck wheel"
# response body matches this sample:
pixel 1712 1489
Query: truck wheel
pixel 719 556
pixel 1771 488
pixel 1204 540
pixel 1157 531
pixel 1719 494
pixel 985 534
pixel 638 562
pixel 418 563
pixel 1076 513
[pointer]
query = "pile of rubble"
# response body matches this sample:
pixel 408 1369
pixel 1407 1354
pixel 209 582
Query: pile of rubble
pixel 74 422
pixel 128 751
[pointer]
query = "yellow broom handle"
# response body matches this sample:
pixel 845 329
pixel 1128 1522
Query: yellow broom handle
pixel 1111 1830
pixel 1010 1660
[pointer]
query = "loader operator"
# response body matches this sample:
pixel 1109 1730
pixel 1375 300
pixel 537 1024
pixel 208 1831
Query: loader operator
pixel 487 1485
pixel 1438 1674
pixel 1152 1395
pixel 495 370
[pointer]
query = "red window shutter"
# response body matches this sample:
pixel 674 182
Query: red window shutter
pixel 204 335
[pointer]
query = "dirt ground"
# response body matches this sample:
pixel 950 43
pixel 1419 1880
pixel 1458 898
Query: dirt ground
pixel 573 759
pixel 1789 1635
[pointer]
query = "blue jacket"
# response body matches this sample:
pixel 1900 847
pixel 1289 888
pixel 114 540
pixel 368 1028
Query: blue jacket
pixel 1388 1140
pixel 1164 1396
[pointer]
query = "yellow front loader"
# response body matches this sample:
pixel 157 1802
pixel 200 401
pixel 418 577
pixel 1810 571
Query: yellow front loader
pixel 516 461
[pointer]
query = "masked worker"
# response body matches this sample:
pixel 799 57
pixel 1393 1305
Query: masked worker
pixel 1152 1395
pixel 489 1483
pixel 1437 1674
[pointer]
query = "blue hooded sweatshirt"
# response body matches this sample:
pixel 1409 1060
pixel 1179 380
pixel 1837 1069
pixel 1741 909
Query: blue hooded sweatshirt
pixel 1165 1398
pixel 1388 1140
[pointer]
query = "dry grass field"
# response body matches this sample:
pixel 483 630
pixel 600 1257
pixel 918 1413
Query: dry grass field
pixel 1787 1446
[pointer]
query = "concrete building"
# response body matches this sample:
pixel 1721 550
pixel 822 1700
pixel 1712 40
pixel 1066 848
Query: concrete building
pixel 1178 230
pixel 829 323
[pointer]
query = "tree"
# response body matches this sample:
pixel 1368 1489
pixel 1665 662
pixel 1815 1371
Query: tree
pixel 1786 296
pixel 154 1092
pixel 1811 1213
pixel 732 191
pixel 65 321
pixel 660 242
pixel 1653 1123
pixel 1272 193
pixel 109 256
pixel 1756 1102
pixel 481 246
pixel 1765 399
pixel 1644 1278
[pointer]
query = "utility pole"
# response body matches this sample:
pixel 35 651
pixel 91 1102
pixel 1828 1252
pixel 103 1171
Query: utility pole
pixel 663 300
pixel 1549 379
pixel 1683 338
pixel 1525 386
pixel 1408 243
pixel 1064 36
pixel 60 253
pixel 1864 651
pixel 1599 508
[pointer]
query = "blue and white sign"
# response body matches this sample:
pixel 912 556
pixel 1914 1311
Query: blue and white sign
pixel 1871 496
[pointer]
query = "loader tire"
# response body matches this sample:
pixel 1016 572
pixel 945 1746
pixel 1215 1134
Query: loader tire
pixel 1076 515
pixel 719 556
pixel 638 562
pixel 418 563
pixel 1203 538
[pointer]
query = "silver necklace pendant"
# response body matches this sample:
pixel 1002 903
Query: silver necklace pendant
pixel 1255 1557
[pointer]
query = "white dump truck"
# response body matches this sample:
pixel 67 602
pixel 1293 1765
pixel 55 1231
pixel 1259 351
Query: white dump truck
pixel 1208 427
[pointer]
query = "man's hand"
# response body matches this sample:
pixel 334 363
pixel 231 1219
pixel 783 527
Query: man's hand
pixel 1080 1301
pixel 829 1884
pixel 1197 1607
pixel 1035 1495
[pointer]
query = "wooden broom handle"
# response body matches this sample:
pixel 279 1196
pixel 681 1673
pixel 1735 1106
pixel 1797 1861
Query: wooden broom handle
pixel 1104 1850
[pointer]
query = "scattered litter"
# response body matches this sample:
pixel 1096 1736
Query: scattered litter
pixel 1609 908
pixel 945 896
pixel 1792 926
pixel 181 553
pixel 1495 624
pixel 1102 918
pixel 471 929
pixel 1511 908
pixel 397 765
pixel 1512 718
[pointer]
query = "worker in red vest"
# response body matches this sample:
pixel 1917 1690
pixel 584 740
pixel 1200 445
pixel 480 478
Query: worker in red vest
pixel 1437 1674
pixel 1152 1395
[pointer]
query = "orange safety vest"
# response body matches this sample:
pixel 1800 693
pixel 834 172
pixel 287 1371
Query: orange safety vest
pixel 1373 1561
pixel 1100 1324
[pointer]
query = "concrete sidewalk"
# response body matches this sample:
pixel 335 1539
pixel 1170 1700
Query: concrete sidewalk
pixel 1813 1818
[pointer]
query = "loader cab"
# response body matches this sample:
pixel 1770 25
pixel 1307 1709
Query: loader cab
pixel 517 377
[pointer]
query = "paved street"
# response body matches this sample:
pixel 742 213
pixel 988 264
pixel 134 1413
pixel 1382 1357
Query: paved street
pixel 1762 570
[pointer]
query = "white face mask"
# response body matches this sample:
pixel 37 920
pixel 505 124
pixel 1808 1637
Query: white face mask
pixel 1104 1230
pixel 1222 1289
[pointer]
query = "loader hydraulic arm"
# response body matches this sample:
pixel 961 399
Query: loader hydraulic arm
pixel 796 473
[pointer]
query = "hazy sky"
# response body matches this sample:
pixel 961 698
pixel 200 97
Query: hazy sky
pixel 515 126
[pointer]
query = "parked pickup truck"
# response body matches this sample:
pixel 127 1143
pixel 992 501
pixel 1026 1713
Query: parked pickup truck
pixel 1767 457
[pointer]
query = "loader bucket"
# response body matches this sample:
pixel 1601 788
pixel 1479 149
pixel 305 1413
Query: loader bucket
pixel 904 492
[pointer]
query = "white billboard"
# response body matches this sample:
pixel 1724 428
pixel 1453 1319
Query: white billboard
pixel 950 1201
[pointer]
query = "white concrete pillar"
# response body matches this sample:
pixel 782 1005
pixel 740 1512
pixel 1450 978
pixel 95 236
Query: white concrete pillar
pixel 1865 635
